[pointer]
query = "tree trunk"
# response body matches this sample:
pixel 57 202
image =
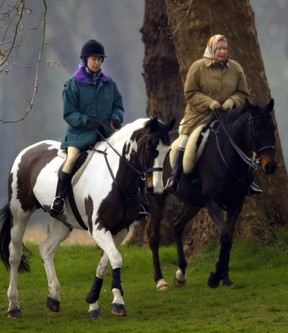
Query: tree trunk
pixel 161 70
pixel 175 34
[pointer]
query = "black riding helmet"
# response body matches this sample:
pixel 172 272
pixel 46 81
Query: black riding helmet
pixel 92 48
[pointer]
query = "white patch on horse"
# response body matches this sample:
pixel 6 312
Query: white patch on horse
pixel 132 148
pixel 158 163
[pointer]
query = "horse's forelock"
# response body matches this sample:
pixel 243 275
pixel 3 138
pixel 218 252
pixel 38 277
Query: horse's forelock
pixel 158 126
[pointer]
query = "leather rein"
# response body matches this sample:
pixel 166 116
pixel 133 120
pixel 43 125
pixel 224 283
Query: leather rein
pixel 251 162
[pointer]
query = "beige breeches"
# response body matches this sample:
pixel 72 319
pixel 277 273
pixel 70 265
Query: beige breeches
pixel 72 154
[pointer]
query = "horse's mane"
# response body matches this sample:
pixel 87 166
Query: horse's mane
pixel 234 114
pixel 127 130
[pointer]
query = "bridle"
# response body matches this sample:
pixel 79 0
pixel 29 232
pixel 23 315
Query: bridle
pixel 142 174
pixel 251 118
pixel 251 162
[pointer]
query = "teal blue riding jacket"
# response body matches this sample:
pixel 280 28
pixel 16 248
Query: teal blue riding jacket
pixel 84 98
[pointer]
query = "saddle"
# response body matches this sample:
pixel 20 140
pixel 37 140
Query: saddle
pixel 80 164
pixel 194 148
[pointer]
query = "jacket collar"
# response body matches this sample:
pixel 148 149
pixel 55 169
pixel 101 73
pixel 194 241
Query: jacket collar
pixel 82 76
pixel 209 62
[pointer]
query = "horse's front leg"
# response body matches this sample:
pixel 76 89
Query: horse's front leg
pixel 94 293
pixel 186 214
pixel 109 244
pixel 153 231
pixel 58 233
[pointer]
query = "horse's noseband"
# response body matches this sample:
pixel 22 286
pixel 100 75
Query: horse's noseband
pixel 151 170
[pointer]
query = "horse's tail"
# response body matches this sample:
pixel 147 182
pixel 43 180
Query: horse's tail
pixel 5 238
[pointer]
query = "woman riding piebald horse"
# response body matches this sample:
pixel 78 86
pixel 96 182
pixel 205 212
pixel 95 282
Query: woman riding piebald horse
pixel 91 104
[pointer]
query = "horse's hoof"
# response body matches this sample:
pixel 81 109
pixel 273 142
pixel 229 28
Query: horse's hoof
pixel 119 309
pixel 14 314
pixel 180 279
pixel 227 283
pixel 214 280
pixel 162 285
pixel 94 314
pixel 179 283
pixel 52 304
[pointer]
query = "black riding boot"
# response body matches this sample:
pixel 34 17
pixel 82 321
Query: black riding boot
pixel 57 206
pixel 253 189
pixel 172 182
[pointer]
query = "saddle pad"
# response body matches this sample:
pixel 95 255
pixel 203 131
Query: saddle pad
pixel 192 150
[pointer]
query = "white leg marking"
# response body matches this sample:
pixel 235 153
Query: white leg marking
pixel 180 278
pixel 93 306
pixel 162 285
pixel 118 299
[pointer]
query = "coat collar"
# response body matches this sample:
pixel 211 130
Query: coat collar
pixel 209 62
pixel 81 76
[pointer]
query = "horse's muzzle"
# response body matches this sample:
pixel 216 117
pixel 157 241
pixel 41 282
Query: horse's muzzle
pixel 267 158
pixel 154 186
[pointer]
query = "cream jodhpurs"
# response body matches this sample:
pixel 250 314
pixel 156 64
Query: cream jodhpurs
pixel 72 154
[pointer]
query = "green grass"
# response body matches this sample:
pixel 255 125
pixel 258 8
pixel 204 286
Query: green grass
pixel 258 303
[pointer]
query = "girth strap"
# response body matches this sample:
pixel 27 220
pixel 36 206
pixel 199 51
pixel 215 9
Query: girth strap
pixel 74 208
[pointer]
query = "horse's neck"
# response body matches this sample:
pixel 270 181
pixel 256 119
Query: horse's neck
pixel 122 169
pixel 239 131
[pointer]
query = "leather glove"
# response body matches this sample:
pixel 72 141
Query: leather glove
pixel 214 105
pixel 228 104
pixel 115 124
pixel 93 123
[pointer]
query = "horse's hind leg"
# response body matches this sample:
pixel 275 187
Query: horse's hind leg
pixel 58 233
pixel 20 220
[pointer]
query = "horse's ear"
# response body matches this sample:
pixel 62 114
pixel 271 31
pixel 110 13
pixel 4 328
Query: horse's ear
pixel 153 124
pixel 170 126
pixel 269 107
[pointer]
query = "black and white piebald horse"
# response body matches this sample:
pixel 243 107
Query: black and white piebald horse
pixel 219 182
pixel 106 197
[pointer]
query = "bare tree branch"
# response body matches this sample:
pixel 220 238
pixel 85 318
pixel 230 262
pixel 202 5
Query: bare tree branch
pixel 185 7
pixel 10 19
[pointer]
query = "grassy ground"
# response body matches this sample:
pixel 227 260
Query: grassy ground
pixel 258 303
